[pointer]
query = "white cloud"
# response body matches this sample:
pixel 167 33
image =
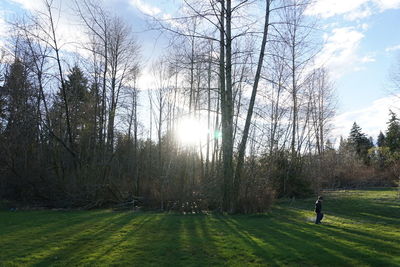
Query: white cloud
pixel 329 8
pixel 387 4
pixel 364 26
pixel 69 30
pixel 371 119
pixel 340 50
pixel 359 14
pixel 367 59
pixel 392 48
pixel 145 8
pixel 29 4
pixel 358 68
pixel 352 10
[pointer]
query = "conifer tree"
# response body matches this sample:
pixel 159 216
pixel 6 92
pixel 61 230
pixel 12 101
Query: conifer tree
pixel 381 139
pixel 19 139
pixel 19 106
pixel 78 96
pixel 393 133
pixel 359 142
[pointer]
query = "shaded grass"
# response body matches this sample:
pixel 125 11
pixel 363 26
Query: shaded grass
pixel 361 228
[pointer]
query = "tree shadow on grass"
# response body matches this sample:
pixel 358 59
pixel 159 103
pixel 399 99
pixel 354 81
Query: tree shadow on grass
pixel 309 244
pixel 156 244
pixel 368 211
pixel 45 243
pixel 175 240
pixel 264 250
pixel 111 239
pixel 363 209
pixel 99 245
pixel 379 205
pixel 15 224
pixel 157 239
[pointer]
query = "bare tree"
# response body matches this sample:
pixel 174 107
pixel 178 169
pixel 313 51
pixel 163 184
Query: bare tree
pixel 394 76
pixel 159 97
pixel 123 63
pixel 322 106
pixel 295 33
pixel 242 146
pixel 97 21
pixel 39 34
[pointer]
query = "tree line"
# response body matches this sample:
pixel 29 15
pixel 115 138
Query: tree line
pixel 77 131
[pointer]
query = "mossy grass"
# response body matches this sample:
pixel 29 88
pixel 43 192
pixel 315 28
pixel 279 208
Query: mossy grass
pixel 360 228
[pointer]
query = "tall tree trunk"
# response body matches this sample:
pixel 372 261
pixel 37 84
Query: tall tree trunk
pixel 208 114
pixel 242 146
pixel 227 108
pixel 191 77
pixel 61 73
pixel 294 99
pixel 103 97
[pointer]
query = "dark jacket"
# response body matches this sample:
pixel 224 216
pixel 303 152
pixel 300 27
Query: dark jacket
pixel 318 206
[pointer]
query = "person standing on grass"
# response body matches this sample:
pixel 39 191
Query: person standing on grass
pixel 318 210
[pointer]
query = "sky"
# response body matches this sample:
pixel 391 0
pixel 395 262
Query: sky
pixel 361 45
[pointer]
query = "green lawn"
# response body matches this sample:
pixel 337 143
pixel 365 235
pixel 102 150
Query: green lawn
pixel 360 228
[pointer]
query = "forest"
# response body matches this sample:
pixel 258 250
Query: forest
pixel 238 112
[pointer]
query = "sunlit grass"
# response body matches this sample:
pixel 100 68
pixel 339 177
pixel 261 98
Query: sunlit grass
pixel 360 228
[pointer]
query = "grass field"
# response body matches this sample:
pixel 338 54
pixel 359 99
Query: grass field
pixel 360 228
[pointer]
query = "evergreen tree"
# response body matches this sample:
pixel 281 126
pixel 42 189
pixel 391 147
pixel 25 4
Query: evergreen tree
pixel 78 97
pixel 393 133
pixel 20 136
pixel 359 142
pixel 19 106
pixel 381 139
pixel 76 85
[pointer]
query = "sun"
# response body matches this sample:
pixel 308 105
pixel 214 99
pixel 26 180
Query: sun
pixel 192 131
